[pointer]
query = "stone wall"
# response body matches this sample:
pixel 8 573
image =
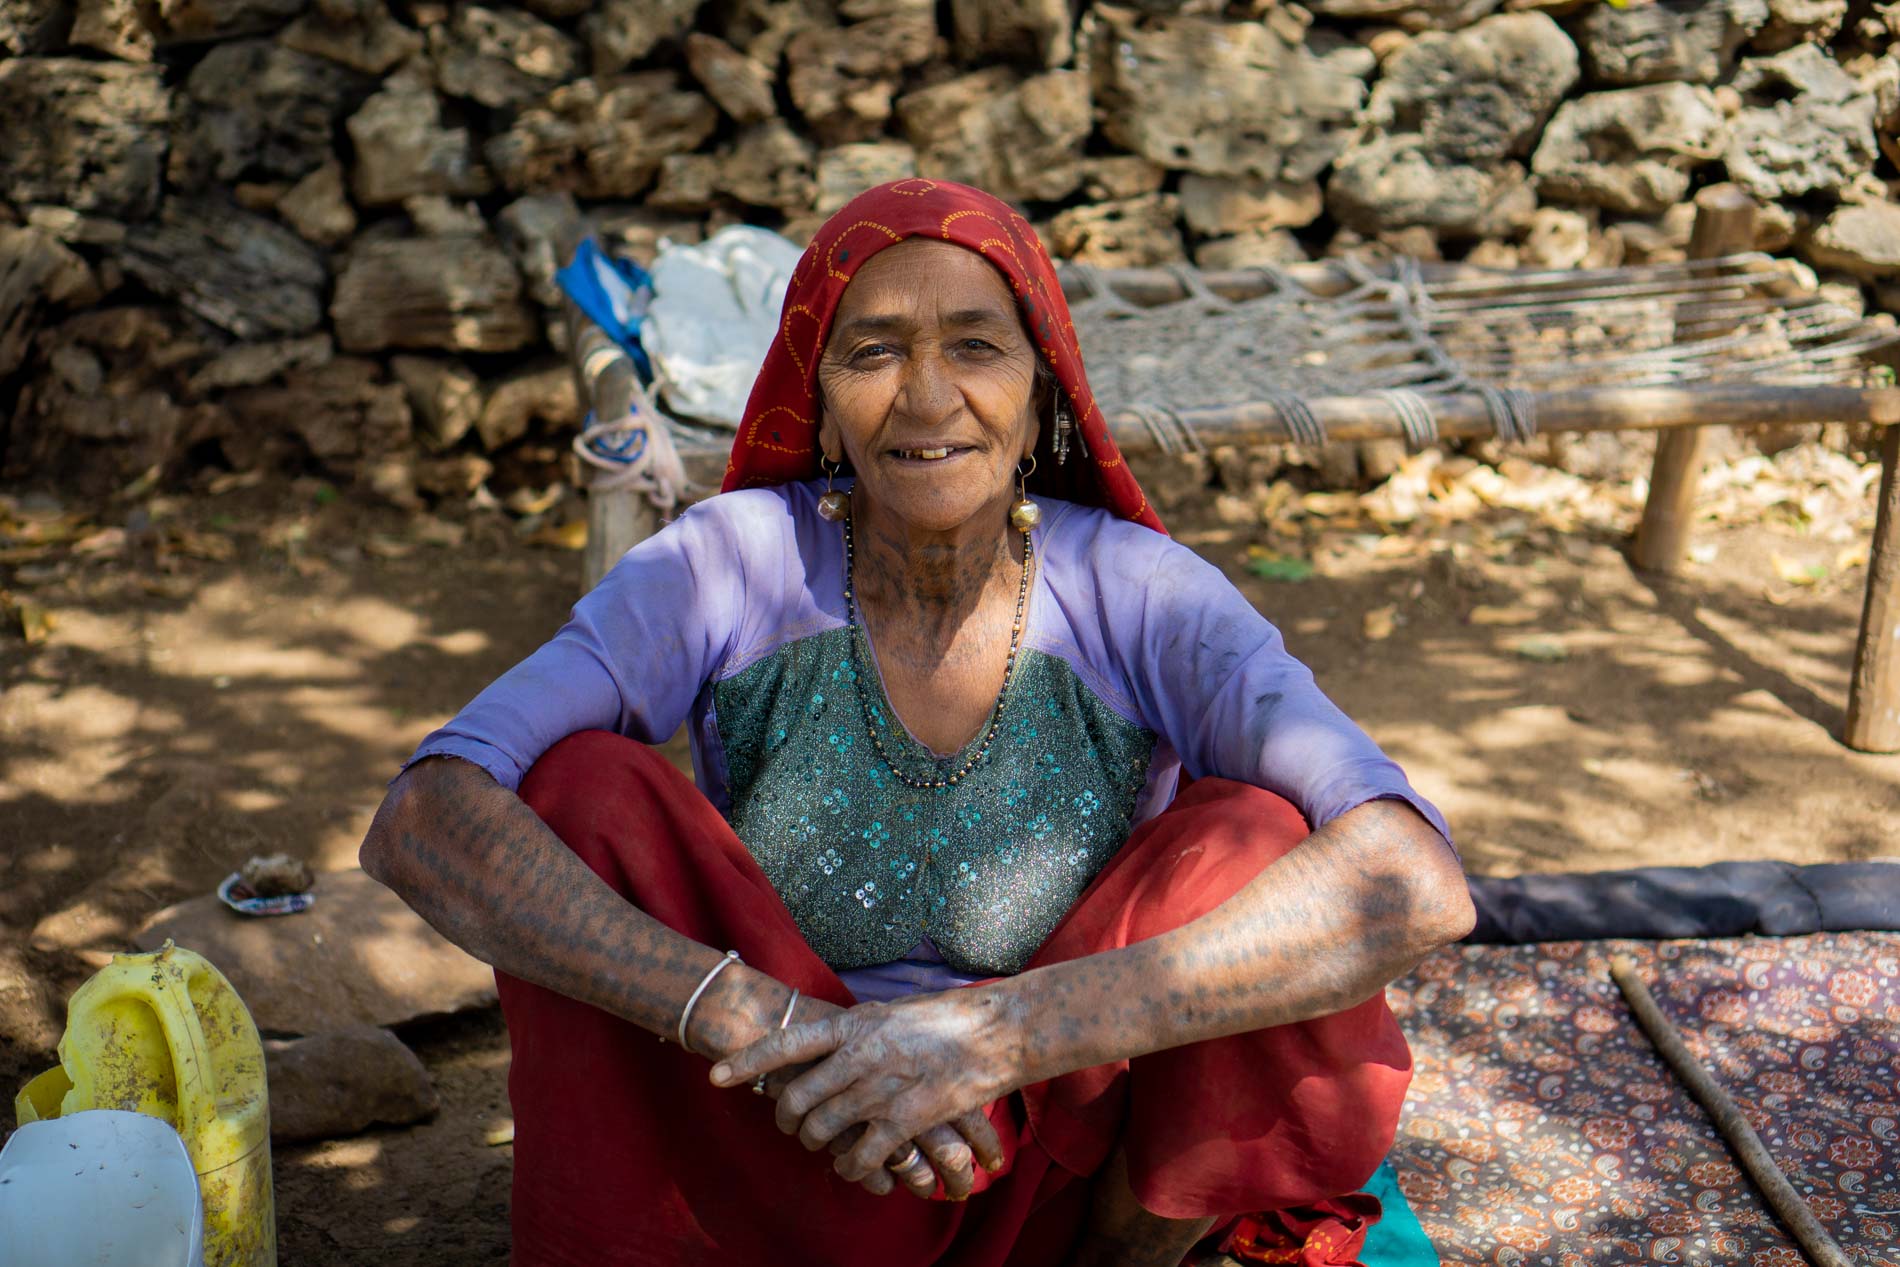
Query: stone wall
pixel 252 232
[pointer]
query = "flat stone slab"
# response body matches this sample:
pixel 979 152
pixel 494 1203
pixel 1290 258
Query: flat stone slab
pixel 356 957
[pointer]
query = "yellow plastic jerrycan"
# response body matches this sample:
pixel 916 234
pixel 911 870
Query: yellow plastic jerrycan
pixel 164 1034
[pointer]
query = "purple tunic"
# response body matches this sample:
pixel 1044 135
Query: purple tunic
pixel 1152 635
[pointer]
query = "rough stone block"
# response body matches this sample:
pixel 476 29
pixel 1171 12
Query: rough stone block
pixel 459 294
pixel 737 84
pixel 1133 233
pixel 338 1083
pixel 89 136
pixel 848 170
pixel 1393 182
pixel 1033 32
pixel 402 149
pixel 1411 15
pixel 1863 240
pixel 1480 95
pixel 501 56
pixel 318 207
pixel 1017 138
pixel 1692 40
pixel 769 165
pixel 842 79
pixel 239 271
pixel 1807 127
pixel 621 32
pixel 601 138
pixel 369 41
pixel 357 957
pixel 257 110
pixel 1217 207
pixel 1629 150
pixel 1221 98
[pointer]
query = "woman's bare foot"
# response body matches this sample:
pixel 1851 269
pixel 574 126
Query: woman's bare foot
pixel 1120 1233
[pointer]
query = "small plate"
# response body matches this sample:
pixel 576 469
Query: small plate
pixel 237 895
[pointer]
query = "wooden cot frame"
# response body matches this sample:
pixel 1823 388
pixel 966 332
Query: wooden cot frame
pixel 1724 225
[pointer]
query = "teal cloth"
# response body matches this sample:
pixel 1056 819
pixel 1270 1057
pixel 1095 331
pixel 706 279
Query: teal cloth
pixel 1396 1240
pixel 867 866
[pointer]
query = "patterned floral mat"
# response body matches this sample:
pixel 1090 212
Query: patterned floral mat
pixel 1542 1129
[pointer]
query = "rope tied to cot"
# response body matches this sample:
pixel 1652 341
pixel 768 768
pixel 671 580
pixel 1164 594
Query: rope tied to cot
pixel 1415 417
pixel 1302 424
pixel 635 452
pixel 1513 412
pixel 1172 433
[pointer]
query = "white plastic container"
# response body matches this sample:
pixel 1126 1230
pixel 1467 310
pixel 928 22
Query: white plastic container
pixel 102 1188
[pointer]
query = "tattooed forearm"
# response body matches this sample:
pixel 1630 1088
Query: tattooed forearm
pixel 1327 926
pixel 489 875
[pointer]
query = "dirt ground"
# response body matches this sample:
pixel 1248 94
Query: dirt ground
pixel 239 669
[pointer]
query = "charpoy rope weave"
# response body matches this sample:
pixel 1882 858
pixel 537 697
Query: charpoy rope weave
pixel 1411 333
pixel 1415 416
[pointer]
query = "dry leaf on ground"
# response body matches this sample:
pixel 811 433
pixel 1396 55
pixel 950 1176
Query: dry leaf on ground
pixel 571 535
pixel 1797 573
pixel 1515 614
pixel 36 622
pixel 1546 649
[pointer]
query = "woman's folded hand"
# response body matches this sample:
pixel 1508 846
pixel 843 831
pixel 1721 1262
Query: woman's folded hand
pixel 900 1070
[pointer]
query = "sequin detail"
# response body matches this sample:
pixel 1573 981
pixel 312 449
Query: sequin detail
pixel 867 866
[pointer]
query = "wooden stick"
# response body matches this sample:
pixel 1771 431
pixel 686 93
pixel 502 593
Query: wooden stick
pixel 1743 1142
pixel 1152 287
pixel 1873 701
pixel 1579 409
pixel 1724 225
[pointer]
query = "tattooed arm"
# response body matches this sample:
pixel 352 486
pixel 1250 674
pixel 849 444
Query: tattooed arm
pixel 1355 905
pixel 489 875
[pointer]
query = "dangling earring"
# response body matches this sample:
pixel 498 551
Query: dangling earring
pixel 1059 432
pixel 833 505
pixel 1025 514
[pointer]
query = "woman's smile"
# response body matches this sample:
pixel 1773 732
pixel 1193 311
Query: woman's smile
pixel 936 456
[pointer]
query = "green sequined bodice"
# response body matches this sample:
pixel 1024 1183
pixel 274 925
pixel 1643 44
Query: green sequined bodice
pixel 868 866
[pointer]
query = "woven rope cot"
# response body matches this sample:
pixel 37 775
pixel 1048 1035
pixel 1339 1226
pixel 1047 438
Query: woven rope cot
pixel 1343 351
pixel 1180 359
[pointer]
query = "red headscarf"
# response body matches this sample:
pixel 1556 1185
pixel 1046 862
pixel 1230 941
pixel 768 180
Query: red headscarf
pixel 778 438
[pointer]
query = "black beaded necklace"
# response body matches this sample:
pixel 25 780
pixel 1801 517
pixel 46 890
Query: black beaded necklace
pixel 1002 696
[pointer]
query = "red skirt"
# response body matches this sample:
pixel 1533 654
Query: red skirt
pixel 626 1154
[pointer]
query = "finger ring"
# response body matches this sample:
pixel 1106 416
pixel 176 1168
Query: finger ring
pixel 909 1165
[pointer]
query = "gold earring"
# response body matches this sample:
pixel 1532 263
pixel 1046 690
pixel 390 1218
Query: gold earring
pixel 1025 514
pixel 833 505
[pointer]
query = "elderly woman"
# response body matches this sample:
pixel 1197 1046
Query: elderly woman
pixel 1038 891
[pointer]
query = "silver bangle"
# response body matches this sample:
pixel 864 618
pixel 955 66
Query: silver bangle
pixel 732 957
pixel 758 1083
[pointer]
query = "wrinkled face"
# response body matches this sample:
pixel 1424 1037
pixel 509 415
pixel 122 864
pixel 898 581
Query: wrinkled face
pixel 929 386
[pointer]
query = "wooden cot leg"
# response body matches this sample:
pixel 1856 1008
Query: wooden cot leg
pixel 1724 225
pixel 1662 539
pixel 1873 701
